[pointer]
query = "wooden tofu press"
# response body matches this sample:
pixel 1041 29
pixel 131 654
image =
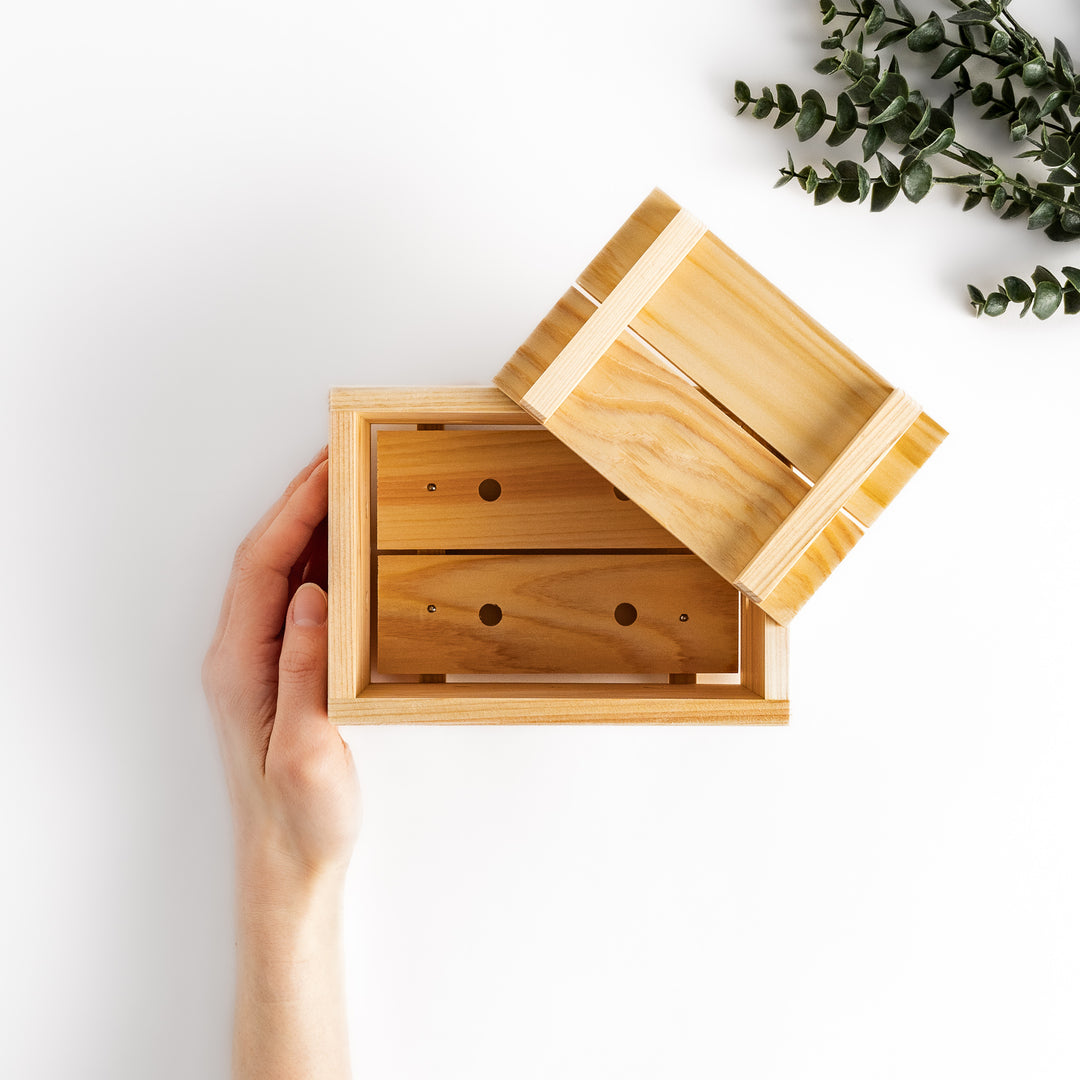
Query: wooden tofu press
pixel 623 527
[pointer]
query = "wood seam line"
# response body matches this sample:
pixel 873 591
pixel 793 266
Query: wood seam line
pixel 825 499
pixel 613 316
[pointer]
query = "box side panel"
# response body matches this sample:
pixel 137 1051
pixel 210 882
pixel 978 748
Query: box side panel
pixel 557 704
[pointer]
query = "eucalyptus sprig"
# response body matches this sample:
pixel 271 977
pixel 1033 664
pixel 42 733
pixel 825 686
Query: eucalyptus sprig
pixel 1037 95
pixel 1044 299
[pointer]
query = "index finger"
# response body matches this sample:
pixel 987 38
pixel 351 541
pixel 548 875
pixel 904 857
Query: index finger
pixel 261 590
pixel 253 536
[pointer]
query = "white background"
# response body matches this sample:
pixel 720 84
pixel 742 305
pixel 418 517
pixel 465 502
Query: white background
pixel 210 213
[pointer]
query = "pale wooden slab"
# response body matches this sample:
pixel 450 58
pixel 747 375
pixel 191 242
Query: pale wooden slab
pixel 731 330
pixel 557 703
pixel 548 497
pixel 611 318
pixel 558 614
pixel 678 456
pixel 823 502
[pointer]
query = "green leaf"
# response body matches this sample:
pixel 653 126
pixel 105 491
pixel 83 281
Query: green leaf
pixel 1047 299
pixel 999 43
pixel 881 196
pixel 976 295
pixel 1018 131
pixel 811 115
pixel 827 66
pixel 890 174
pixel 1053 101
pixel 1040 274
pixel 1072 275
pixel 927 36
pixel 996 303
pixel 875 18
pixel 828 13
pixel 892 37
pixel 1072 302
pixel 903 13
pixel 786 99
pixel 847 118
pixel 923 124
pixel 742 93
pixel 951 61
pixel 1042 215
pixel 825 191
pixel 977 13
pixel 1035 73
pixel 999 198
pixel 893 109
pixel 981 94
pixel 973 199
pixel 916 180
pixel 808 180
pixel 872 141
pixel 1063 60
pixel 942 142
pixel 1017 290
pixel 762 107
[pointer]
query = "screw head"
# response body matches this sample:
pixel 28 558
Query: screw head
pixel 431 609
pixel 684 618
pixel 432 487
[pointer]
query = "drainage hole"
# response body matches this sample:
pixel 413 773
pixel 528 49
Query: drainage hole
pixel 491 614
pixel 490 490
pixel 625 614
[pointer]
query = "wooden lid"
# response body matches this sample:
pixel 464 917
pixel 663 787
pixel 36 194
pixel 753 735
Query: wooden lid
pixel 720 407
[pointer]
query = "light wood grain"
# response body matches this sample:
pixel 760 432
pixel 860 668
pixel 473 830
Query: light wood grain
pixel 349 540
pixel 558 614
pixel 763 660
pixel 549 497
pixel 610 319
pixel 428 405
pixel 532 703
pixel 894 470
pixel 678 456
pixel 790 380
pixel 821 504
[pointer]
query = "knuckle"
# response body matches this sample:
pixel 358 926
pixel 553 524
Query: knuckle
pixel 300 661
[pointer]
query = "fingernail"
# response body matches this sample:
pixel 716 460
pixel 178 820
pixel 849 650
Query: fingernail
pixel 309 606
pixel 321 453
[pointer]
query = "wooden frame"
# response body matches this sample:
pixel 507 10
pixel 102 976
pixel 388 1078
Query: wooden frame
pixel 759 696
pixel 756 438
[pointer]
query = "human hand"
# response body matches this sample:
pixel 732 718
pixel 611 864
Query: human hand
pixel 291 778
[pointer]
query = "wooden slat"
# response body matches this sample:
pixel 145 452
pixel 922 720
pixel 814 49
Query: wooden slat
pixel 898 466
pixel 566 703
pixel 822 503
pixel 763 661
pixel 680 458
pixel 558 614
pixel 428 405
pixel 349 539
pixel 611 318
pixel 751 347
pixel 549 497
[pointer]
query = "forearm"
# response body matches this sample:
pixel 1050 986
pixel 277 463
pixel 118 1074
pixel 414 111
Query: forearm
pixel 290 998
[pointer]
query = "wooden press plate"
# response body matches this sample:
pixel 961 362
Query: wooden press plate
pixel 500 490
pixel 557 614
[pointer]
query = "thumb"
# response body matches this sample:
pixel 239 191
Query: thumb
pixel 302 666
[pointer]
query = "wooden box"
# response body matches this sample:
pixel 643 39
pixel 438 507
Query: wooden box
pixel 481 572
pixel 720 407
pixel 677 459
